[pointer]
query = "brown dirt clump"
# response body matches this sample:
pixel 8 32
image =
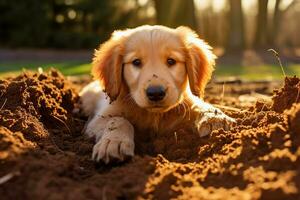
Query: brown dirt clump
pixel 45 156
pixel 32 101
pixel 284 97
pixel 12 144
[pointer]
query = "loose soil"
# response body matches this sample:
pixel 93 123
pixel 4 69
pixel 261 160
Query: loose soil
pixel 44 155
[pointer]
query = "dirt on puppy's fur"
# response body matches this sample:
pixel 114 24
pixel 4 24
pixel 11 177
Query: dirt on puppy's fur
pixel 43 154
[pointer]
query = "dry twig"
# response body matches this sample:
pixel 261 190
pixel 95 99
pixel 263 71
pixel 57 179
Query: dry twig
pixel 175 135
pixel 3 104
pixel 62 123
pixel 223 92
pixel 228 108
pixel 7 177
pixel 276 54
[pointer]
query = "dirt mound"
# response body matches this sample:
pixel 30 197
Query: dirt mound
pixel 258 159
pixel 44 155
pixel 284 97
pixel 33 101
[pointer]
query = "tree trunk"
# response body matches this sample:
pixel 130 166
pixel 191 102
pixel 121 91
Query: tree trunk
pixel 261 24
pixel 275 23
pixel 236 23
pixel 174 13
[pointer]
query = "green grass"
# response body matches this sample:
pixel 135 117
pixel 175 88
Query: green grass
pixel 67 68
pixel 272 72
pixel 259 72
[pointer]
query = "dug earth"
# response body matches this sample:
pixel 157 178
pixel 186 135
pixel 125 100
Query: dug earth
pixel 44 155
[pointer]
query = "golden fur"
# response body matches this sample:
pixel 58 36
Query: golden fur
pixel 125 84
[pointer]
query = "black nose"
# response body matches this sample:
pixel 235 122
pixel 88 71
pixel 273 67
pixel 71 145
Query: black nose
pixel 155 93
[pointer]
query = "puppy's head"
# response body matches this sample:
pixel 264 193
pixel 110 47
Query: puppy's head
pixel 155 65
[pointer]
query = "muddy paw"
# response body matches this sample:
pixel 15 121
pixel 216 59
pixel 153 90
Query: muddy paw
pixel 109 150
pixel 212 121
pixel 116 143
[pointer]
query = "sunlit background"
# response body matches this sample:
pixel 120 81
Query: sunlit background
pixel 63 33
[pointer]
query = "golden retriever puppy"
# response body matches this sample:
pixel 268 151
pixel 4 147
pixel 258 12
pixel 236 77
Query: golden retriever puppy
pixel 149 77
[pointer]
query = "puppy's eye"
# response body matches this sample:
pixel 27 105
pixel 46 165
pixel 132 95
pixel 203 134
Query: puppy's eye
pixel 171 61
pixel 137 62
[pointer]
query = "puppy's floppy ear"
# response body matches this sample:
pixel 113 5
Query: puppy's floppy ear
pixel 107 64
pixel 200 60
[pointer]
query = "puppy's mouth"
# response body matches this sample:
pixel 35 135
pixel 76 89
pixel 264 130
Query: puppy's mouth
pixel 158 108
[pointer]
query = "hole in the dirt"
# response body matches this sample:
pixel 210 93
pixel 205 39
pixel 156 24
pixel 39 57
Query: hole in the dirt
pixel 178 146
pixel 165 185
pixel 225 180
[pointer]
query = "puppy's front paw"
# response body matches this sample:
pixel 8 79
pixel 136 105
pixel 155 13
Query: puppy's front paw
pixel 112 149
pixel 117 142
pixel 212 121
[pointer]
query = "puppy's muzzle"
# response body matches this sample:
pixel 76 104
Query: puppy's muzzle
pixel 156 93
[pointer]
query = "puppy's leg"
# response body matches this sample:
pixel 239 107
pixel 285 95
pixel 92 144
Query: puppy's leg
pixel 90 96
pixel 114 138
pixel 210 118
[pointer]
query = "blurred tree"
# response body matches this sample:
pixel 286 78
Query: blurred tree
pixel 206 29
pixel 24 22
pixel 86 23
pixel 65 23
pixel 175 13
pixel 277 20
pixel 275 23
pixel 236 25
pixel 261 34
